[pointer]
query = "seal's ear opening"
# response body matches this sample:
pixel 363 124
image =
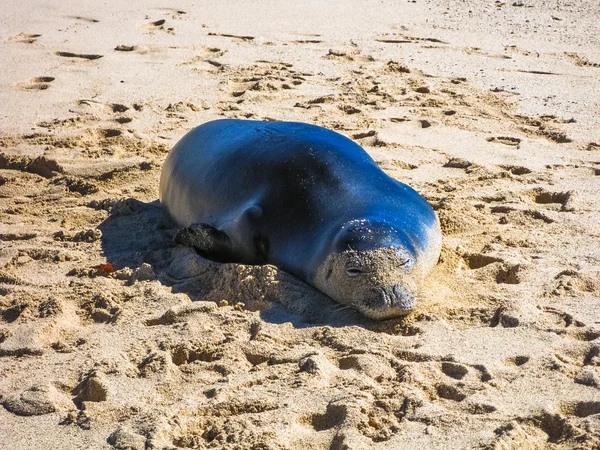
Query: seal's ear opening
pixel 365 235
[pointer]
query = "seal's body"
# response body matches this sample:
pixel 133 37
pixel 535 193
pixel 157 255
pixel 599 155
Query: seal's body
pixel 307 200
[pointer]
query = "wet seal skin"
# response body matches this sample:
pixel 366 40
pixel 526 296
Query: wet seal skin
pixel 307 200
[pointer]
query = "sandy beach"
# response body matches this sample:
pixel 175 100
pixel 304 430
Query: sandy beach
pixel 113 336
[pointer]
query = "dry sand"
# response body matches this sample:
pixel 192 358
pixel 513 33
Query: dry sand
pixel 491 110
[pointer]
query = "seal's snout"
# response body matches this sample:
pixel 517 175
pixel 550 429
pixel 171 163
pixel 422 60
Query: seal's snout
pixel 392 301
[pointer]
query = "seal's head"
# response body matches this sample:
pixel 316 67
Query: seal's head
pixel 373 267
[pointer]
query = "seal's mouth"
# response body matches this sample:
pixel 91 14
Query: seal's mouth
pixel 394 301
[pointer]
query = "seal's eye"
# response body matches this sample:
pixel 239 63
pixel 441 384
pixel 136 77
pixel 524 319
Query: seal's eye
pixel 353 271
pixel 407 263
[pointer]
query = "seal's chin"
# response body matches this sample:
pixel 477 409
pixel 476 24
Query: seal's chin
pixel 389 302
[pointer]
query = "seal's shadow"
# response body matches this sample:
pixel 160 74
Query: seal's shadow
pixel 137 233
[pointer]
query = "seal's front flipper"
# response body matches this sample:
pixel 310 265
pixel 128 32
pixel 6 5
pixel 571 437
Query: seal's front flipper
pixel 208 241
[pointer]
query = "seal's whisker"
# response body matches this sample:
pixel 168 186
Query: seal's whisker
pixel 340 307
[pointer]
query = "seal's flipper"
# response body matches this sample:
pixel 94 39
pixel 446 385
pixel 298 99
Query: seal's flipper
pixel 208 241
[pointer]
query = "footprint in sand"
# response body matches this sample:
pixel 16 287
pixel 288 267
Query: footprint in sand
pixel 402 39
pixel 506 140
pixel 233 36
pixel 561 201
pixel 394 41
pixel 450 392
pixel 581 408
pixel 307 41
pixel 454 370
pixel 125 48
pixel 542 127
pixel 79 55
pixel 516 170
pixel 117 107
pixel 348 109
pixel 24 38
pixel 107 108
pixel 176 12
pixel 159 25
pixel 37 401
pixel 84 19
pixel 458 163
pixel 579 60
pixel 36 84
pixel 516 360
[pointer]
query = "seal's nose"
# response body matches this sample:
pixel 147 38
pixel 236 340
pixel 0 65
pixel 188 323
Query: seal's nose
pixel 390 301
pixel 402 298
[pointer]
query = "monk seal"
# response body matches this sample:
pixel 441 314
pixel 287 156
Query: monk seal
pixel 307 200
